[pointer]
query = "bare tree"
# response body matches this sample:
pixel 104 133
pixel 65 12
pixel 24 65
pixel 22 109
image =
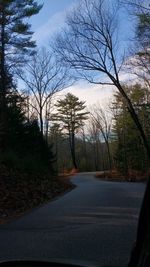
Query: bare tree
pixel 139 60
pixel 103 122
pixel 93 137
pixel 143 6
pixel 89 45
pixel 43 78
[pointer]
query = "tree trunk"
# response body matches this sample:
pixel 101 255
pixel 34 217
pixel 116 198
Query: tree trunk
pixel 2 85
pixel 46 130
pixel 73 150
pixel 126 168
pixel 95 156
pixel 41 122
pixel 46 123
pixel 85 151
pixel 102 156
pixel 56 151
pixel 109 156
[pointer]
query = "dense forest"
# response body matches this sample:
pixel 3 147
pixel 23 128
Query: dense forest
pixel 43 135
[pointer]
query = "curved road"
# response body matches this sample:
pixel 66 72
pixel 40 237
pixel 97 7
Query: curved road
pixel 94 224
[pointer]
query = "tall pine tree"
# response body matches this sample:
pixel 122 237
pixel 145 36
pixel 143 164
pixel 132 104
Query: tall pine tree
pixel 15 46
pixel 72 115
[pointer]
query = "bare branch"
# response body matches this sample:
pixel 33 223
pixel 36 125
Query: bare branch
pixel 43 78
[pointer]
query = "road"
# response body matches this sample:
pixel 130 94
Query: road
pixel 93 224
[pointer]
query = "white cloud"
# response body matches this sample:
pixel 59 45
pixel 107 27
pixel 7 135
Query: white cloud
pixel 91 93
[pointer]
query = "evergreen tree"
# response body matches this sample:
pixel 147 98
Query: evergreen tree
pixel 143 27
pixel 15 45
pixel 70 114
pixel 15 34
pixel 129 149
pixel 142 56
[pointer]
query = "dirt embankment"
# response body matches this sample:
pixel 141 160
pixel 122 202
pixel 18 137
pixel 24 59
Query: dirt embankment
pixel 20 193
pixel 115 175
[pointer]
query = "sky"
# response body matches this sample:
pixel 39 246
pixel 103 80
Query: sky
pixel 50 20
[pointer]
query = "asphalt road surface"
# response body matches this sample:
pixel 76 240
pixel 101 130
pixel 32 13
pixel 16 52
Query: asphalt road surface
pixel 94 224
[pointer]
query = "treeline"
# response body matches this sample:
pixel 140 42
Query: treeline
pixel 108 139
pixel 22 145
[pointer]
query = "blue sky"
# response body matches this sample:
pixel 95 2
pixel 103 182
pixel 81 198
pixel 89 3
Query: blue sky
pixel 50 7
pixel 51 18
